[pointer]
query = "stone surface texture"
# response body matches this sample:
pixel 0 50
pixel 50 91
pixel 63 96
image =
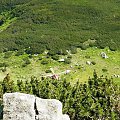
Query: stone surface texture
pixel 20 106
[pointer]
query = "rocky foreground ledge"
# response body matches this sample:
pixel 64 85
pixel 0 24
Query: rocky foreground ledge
pixel 20 106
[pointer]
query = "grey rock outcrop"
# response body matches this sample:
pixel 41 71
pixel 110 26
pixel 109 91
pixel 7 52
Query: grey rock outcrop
pixel 20 106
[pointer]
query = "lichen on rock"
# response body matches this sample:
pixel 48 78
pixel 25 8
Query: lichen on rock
pixel 20 106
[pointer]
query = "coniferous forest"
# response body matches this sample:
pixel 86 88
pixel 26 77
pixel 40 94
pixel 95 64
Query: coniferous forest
pixel 96 99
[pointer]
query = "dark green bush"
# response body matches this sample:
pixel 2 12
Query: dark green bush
pixel 8 54
pixel 20 52
pixel 83 47
pixel 40 58
pixel 113 47
pixel 30 56
pixel 91 44
pixel 48 71
pixel 73 50
pixel 67 61
pixel 69 56
pixel 51 53
pixel 96 99
pixel 64 52
pixel 55 57
pixel 104 70
pixel 93 63
pixel 44 62
pixel 26 62
pixel 79 67
pixel 87 56
pixel 1 22
pixel 4 69
pixel 4 64
pixel 24 65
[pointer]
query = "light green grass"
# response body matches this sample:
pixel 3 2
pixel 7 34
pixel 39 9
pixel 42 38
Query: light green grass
pixel 112 64
pixel 7 24
pixel 8 20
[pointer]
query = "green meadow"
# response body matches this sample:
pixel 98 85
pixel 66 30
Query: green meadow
pixel 79 69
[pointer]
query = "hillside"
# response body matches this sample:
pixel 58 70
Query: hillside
pixel 52 48
pixel 36 25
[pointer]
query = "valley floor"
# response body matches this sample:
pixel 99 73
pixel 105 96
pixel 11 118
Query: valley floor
pixel 82 65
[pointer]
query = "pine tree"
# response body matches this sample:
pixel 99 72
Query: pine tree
pixel 8 84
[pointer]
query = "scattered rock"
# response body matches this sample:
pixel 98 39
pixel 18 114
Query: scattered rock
pixel 76 64
pixel 88 62
pixel 67 71
pixel 61 60
pixel 68 52
pixel 46 52
pixel 35 54
pixel 116 76
pixel 71 66
pixel 103 55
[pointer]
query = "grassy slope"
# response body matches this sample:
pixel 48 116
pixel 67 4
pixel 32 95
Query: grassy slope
pixel 112 64
pixel 60 23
